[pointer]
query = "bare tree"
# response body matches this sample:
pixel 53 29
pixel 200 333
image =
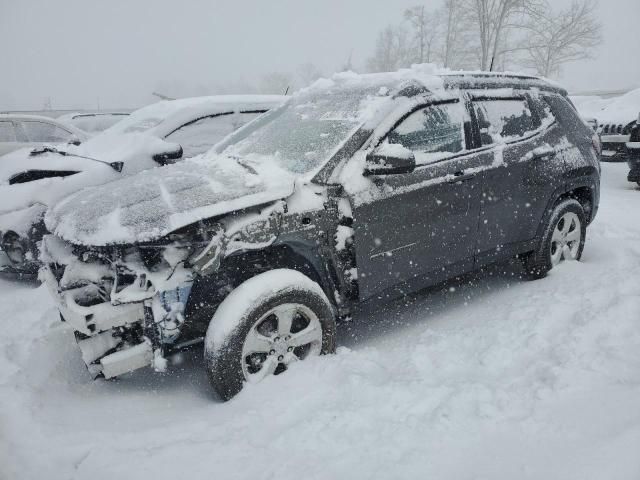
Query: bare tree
pixel 556 38
pixel 426 32
pixel 393 50
pixel 457 44
pixel 495 20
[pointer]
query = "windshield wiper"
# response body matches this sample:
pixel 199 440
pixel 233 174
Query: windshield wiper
pixel 248 168
pixel 117 166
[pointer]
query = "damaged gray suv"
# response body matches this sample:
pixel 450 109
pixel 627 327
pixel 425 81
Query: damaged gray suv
pixel 360 189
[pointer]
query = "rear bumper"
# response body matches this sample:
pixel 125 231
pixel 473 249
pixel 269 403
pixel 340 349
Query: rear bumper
pixel 614 148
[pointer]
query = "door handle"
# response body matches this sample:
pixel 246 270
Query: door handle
pixel 461 177
pixel 546 155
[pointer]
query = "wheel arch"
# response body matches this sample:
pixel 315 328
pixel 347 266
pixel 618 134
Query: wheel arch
pixel 209 291
pixel 584 192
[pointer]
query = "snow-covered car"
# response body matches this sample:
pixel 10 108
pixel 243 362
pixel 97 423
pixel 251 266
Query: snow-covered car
pixel 19 131
pixel 92 122
pixel 615 123
pixel 31 180
pixel 360 189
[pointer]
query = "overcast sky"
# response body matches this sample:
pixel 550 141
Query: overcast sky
pixel 81 53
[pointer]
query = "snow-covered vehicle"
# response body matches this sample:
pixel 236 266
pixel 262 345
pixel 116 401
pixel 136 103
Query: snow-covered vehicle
pixel 360 189
pixel 633 149
pixel 616 120
pixel 92 122
pixel 19 131
pixel 31 180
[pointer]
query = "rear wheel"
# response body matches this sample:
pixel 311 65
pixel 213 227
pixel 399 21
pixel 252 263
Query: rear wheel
pixel 562 240
pixel 265 325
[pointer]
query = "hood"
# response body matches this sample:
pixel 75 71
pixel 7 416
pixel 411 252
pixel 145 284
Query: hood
pixel 153 203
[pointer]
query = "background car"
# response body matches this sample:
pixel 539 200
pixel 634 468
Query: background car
pixel 32 180
pixel 633 149
pixel 615 123
pixel 92 122
pixel 19 131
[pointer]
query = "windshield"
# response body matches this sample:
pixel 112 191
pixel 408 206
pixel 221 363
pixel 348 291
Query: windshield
pixel 305 132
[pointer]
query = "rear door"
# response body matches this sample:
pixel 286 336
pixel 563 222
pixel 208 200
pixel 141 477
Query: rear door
pixel 416 229
pixel 526 170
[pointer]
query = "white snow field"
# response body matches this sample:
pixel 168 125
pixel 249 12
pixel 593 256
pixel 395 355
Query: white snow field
pixel 491 377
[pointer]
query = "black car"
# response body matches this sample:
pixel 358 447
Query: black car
pixel 360 189
pixel 633 151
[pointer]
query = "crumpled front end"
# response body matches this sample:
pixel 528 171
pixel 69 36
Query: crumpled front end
pixel 125 304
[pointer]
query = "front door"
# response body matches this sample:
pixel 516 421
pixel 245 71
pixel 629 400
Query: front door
pixel 419 228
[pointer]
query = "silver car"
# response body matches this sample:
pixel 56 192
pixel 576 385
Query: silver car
pixel 19 131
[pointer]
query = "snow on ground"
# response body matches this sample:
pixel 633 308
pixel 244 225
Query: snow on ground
pixel 491 377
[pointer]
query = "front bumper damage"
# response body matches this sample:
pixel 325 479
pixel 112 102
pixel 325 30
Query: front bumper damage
pixel 126 304
pixel 122 321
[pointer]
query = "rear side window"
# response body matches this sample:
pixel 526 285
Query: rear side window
pixel 44 132
pixel 568 115
pixel 432 133
pixel 503 120
pixel 7 133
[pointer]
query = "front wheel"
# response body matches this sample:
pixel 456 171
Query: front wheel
pixel 266 324
pixel 562 240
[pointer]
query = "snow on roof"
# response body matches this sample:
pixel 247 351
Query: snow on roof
pixel 163 117
pixel 23 116
pixel 432 77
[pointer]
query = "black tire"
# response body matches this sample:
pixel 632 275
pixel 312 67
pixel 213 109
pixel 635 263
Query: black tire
pixel 538 263
pixel 241 310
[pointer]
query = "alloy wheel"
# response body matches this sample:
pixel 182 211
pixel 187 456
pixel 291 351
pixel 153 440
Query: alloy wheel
pixel 285 334
pixel 566 238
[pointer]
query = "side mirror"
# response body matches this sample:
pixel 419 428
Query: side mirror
pixel 169 156
pixel 390 159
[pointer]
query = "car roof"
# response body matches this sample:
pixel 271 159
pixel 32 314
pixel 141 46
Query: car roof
pixel 492 80
pixel 22 116
pixel 73 116
pixel 426 78
pixel 171 114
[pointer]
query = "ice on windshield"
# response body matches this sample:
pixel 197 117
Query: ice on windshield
pixel 304 133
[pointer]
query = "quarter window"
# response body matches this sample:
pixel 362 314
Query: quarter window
pixel 45 132
pixel 7 133
pixel 432 133
pixel 503 120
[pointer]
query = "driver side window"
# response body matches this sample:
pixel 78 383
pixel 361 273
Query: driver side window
pixel 431 133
